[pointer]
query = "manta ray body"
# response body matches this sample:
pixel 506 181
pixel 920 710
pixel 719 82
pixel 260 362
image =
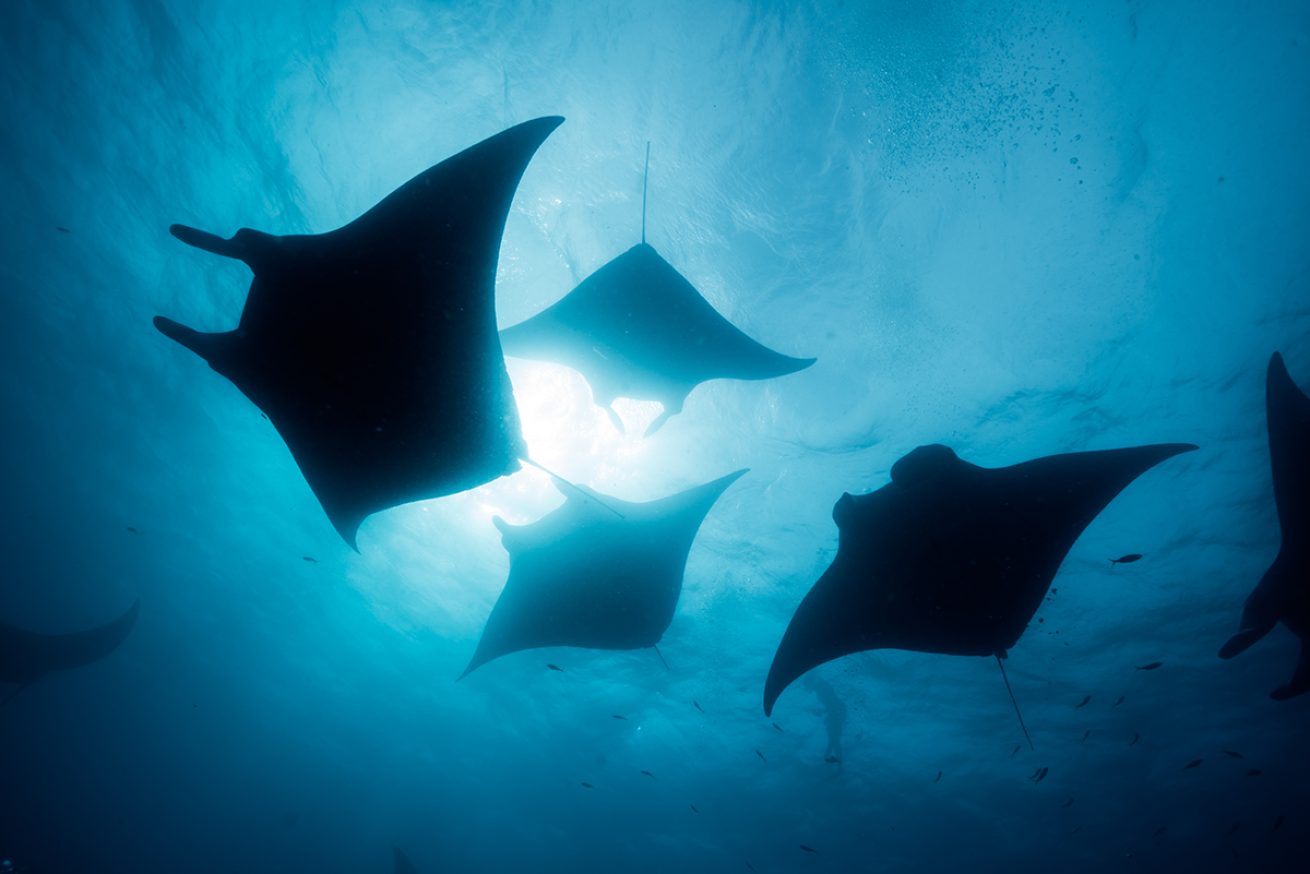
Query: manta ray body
pixel 636 328
pixel 950 557
pixel 584 576
pixel 1283 593
pixel 373 348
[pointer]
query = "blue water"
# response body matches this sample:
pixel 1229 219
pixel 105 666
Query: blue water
pixel 1017 230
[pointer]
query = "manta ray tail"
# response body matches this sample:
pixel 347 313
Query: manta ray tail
pixel 666 664
pixel 558 478
pixel 1001 665
pixel 645 176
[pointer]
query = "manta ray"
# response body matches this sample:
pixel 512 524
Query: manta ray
pixel 26 656
pixel 403 865
pixel 584 576
pixel 636 328
pixel 373 348
pixel 1284 591
pixel 950 557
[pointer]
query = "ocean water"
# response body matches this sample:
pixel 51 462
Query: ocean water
pixel 1015 229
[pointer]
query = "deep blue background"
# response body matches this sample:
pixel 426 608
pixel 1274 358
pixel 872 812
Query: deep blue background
pixel 890 186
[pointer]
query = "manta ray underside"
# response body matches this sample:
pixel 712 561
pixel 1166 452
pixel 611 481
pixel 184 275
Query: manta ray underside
pixel 582 576
pixel 1284 591
pixel 636 328
pixel 26 656
pixel 950 557
pixel 373 348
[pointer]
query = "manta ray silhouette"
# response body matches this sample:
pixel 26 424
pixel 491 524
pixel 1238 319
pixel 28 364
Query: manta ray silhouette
pixel 26 656
pixel 373 348
pixel 636 328
pixel 1284 591
pixel 403 865
pixel 950 557
pixel 581 576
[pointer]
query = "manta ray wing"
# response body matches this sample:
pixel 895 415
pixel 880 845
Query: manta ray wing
pixel 26 656
pixel 403 865
pixel 1284 591
pixel 373 348
pixel 636 328
pixel 581 576
pixel 950 557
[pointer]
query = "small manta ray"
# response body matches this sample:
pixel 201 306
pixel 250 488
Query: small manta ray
pixel 403 865
pixel 26 656
pixel 1284 591
pixel 582 576
pixel 1126 559
pixel 373 348
pixel 950 557
pixel 636 328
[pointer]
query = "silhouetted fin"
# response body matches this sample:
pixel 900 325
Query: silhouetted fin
pixel 403 865
pixel 26 656
pixel 1284 591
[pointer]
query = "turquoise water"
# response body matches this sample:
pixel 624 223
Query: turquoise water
pixel 1015 231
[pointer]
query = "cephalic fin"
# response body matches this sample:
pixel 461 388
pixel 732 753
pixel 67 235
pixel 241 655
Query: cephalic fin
pixel 1300 680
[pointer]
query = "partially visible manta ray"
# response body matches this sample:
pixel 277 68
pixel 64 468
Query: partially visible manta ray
pixel 403 865
pixel 950 557
pixel 581 576
pixel 26 656
pixel 1283 593
pixel 373 348
pixel 636 328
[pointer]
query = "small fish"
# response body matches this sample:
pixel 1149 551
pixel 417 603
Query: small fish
pixel 1151 667
pixel 1084 702
pixel 1233 754
pixel 1035 773
pixel 761 755
pixel 1016 750
pixel 588 785
pixel 1068 803
pixel 1254 772
pixel 1232 831
pixel 1136 738
pixel 693 808
pixel 134 531
pixel 1277 823
pixel 1158 832
pixel 1041 776
pixel 554 667
pixel 779 727
pixel 817 853
pixel 1124 559
pixel 939 776
pixel 309 559
pixel 1195 764
pixel 1117 703
pixel 650 775
pixel 698 707
pixel 63 230
pixel 1235 856
pixel 832 760
pixel 1076 830
pixel 624 718
pixel 1086 734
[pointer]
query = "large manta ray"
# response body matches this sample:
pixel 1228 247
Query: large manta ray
pixel 373 348
pixel 949 557
pixel 584 576
pixel 1284 591
pixel 26 656
pixel 636 328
